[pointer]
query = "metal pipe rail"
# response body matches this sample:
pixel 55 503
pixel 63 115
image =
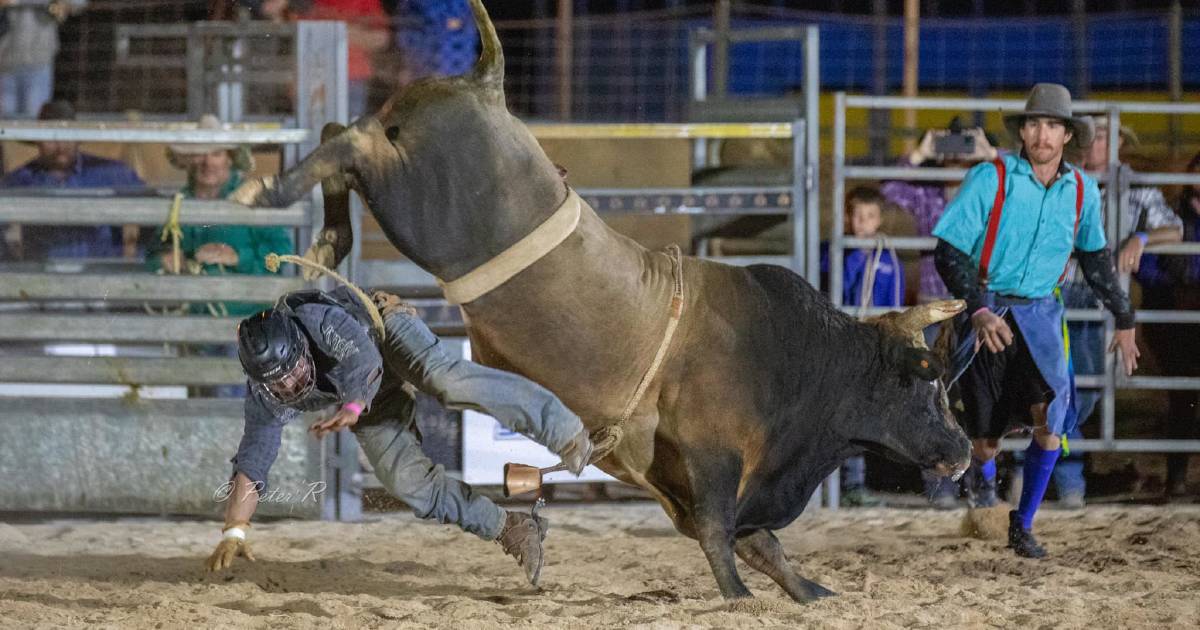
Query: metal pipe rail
pixel 765 200
pixel 25 287
pixel 1012 104
pixel 118 328
pixel 148 211
pixel 1074 314
pixel 149 132
pixel 123 371
pixel 660 131
pixel 928 243
pixel 1118 178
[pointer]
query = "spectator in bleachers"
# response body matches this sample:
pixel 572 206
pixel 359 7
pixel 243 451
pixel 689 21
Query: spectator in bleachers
pixel 1168 283
pixel 214 171
pixel 1150 221
pixel 926 201
pixel 439 37
pixel 28 45
pixel 62 165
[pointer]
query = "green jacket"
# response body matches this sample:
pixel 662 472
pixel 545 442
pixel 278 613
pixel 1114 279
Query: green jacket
pixel 251 243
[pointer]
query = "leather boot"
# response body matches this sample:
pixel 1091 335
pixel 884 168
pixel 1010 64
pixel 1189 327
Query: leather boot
pixel 522 538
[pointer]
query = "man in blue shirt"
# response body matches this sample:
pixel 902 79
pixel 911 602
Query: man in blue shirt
pixel 1003 246
pixel 62 165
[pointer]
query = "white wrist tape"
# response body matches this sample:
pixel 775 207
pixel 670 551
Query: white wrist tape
pixel 234 532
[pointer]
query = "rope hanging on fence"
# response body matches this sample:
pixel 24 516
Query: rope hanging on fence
pixel 273 260
pixel 173 231
pixel 866 296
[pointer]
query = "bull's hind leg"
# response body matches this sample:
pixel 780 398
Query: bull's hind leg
pixel 762 551
pixel 335 156
pixel 336 236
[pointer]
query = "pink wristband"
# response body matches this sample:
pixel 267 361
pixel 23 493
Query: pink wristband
pixel 980 309
pixel 353 406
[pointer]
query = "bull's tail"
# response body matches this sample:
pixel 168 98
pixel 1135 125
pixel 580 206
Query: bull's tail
pixel 489 70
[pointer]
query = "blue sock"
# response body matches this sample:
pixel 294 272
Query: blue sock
pixel 1039 467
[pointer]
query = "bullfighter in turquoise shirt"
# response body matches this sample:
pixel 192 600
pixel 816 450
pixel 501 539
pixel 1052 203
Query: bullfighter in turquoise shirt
pixel 1003 246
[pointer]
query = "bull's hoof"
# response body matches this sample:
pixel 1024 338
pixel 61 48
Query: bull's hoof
pixel 816 591
pixel 253 192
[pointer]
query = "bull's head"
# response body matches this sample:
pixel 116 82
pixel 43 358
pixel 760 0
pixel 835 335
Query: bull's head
pixel 910 409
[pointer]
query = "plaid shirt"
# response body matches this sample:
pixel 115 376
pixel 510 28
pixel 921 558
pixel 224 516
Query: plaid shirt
pixel 1148 211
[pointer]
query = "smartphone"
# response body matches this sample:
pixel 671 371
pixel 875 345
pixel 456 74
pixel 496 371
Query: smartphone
pixel 954 144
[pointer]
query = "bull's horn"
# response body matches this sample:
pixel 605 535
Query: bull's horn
pixel 917 318
pixel 489 70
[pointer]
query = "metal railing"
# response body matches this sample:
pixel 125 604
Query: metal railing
pixel 109 310
pixel 17 206
pixel 1117 181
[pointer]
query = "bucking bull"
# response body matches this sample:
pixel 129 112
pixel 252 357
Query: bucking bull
pixel 761 392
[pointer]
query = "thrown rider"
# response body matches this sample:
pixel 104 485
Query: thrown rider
pixel 316 350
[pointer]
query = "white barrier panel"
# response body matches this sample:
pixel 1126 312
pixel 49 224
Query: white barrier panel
pixel 487 447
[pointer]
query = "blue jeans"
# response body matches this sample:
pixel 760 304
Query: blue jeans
pixel 386 432
pixel 24 91
pixel 854 473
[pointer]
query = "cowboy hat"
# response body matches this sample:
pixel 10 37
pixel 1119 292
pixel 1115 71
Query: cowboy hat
pixel 1127 134
pixel 1051 100
pixel 242 160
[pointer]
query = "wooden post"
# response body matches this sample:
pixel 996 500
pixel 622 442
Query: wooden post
pixel 721 24
pixel 566 57
pixel 1083 75
pixel 1175 71
pixel 912 19
pixel 880 119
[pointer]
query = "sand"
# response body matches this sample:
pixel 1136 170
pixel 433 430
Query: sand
pixel 609 565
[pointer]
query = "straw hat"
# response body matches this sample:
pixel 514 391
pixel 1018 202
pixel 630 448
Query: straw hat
pixel 177 153
pixel 1052 100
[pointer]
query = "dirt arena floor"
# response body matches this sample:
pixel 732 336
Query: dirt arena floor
pixel 609 565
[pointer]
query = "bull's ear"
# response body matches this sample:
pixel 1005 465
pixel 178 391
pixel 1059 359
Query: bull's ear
pixel 920 363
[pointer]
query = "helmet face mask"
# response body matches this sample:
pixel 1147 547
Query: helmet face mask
pixel 293 384
pixel 275 356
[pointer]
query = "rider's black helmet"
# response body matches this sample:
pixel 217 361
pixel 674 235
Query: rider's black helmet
pixel 274 353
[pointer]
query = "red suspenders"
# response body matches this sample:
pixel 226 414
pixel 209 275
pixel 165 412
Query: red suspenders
pixel 1078 213
pixel 989 239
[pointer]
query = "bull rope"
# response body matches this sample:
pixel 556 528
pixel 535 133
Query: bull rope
pixel 273 260
pixel 606 438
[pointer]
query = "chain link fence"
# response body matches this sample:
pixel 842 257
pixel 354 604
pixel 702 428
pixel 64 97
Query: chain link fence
pixel 633 66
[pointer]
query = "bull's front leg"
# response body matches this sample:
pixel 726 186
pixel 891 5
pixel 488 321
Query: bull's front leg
pixel 763 552
pixel 713 481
